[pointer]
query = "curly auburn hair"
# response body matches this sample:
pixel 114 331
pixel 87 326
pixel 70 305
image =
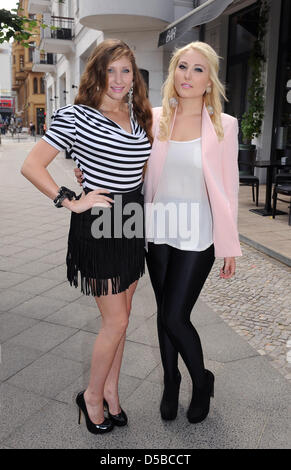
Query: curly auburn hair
pixel 94 81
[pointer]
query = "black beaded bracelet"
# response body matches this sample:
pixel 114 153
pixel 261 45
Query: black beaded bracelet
pixel 64 193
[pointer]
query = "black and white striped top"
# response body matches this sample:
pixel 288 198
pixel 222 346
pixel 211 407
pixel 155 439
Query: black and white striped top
pixel 108 156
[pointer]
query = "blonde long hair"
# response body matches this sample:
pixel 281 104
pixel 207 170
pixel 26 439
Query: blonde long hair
pixel 210 99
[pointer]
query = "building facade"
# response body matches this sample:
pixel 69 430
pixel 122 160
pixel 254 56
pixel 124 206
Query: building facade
pixel 232 34
pixel 7 101
pixel 28 84
pixel 82 24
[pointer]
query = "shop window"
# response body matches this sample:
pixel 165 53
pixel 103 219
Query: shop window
pixel 243 31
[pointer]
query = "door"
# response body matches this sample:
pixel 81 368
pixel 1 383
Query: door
pixel 242 35
pixel 40 118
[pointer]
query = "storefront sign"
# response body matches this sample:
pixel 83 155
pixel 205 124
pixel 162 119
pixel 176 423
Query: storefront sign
pixel 6 103
pixel 206 12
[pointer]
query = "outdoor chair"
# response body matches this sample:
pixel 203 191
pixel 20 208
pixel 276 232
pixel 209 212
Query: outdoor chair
pixel 247 177
pixel 282 177
pixel 284 189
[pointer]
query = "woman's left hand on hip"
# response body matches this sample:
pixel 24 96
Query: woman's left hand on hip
pixel 228 269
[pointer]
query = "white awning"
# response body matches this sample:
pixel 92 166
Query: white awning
pixel 206 12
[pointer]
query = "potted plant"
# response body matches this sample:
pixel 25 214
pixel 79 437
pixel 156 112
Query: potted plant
pixel 252 119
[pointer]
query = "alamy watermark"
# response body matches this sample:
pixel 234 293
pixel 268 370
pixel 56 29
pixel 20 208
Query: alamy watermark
pixel 162 221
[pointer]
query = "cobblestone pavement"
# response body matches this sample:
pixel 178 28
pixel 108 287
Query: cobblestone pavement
pixel 256 303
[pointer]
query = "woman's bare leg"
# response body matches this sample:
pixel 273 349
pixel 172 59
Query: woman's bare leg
pixel 111 384
pixel 114 313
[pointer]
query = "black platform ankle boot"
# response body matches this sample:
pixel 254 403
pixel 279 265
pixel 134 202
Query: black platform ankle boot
pixel 199 406
pixel 170 398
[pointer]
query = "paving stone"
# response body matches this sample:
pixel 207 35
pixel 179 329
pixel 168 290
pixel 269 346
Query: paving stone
pixel 38 307
pixel 63 291
pixel 33 268
pixel 146 333
pixel 37 285
pixel 145 359
pixel 47 376
pixel 78 347
pixel 9 279
pixel 74 315
pixel 43 336
pixel 19 404
pixel 14 358
pixel 11 325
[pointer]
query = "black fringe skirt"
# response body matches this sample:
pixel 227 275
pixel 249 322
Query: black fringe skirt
pixel 106 245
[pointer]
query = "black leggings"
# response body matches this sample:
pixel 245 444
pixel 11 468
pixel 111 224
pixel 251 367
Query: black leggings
pixel 177 278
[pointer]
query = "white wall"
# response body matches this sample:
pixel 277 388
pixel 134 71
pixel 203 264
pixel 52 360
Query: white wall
pixel 148 57
pixel 144 44
pixel 5 67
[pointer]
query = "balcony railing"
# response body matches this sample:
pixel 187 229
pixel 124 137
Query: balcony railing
pixel 58 39
pixel 43 62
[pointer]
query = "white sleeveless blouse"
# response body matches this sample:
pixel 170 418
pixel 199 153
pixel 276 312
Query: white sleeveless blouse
pixel 182 215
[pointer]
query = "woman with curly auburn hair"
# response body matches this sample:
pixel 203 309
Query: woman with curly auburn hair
pixel 108 133
pixel 192 178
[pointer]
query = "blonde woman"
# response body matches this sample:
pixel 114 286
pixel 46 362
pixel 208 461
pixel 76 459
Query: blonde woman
pixel 192 173
pixel 108 133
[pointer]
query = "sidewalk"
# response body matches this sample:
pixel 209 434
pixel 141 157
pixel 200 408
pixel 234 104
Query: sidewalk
pixel 270 236
pixel 47 330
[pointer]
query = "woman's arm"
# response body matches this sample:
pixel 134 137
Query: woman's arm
pixel 231 185
pixel 35 170
pixel 230 167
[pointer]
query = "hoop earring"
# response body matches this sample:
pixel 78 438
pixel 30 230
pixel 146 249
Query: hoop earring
pixel 130 101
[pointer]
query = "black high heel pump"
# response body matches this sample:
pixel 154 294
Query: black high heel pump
pixel 199 406
pixel 106 426
pixel 120 419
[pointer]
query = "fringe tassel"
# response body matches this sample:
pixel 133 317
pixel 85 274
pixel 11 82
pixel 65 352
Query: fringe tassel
pixel 118 260
pixel 91 262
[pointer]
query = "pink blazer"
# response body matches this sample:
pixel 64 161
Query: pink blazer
pixel 220 168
